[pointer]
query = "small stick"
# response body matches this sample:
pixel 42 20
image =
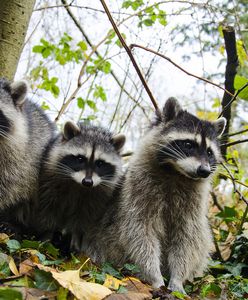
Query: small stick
pixel 129 52
pixel 180 68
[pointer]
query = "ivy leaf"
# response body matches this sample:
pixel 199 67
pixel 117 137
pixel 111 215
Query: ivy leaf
pixel 45 281
pixel 13 246
pixel 10 294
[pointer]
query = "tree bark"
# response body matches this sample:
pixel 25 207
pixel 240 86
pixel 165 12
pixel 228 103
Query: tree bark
pixel 14 20
pixel 231 70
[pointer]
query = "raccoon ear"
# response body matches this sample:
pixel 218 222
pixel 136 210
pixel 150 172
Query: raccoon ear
pixel 171 109
pixel 220 125
pixel 70 131
pixel 18 92
pixel 118 141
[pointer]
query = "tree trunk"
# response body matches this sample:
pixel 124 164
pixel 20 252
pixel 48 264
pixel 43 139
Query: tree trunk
pixel 14 20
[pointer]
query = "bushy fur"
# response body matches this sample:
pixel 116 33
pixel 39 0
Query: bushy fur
pixel 66 202
pixel 160 220
pixel 24 133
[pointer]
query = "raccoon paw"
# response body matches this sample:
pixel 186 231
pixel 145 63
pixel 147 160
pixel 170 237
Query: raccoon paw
pixel 176 285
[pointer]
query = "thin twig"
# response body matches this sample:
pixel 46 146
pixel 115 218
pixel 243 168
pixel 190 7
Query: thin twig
pixel 233 99
pixel 95 51
pixel 235 190
pixel 236 142
pixel 238 132
pixel 179 67
pixel 215 201
pixel 129 52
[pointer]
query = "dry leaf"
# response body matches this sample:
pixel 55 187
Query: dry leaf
pixel 13 267
pixel 26 266
pixel 3 238
pixel 135 285
pixel 129 296
pixel 81 289
pixel 112 282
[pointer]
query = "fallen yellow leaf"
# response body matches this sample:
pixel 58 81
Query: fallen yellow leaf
pixel 12 266
pixel 112 282
pixel 81 289
pixel 3 238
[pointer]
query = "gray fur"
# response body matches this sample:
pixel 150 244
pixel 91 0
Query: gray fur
pixel 65 204
pixel 24 133
pixel 160 219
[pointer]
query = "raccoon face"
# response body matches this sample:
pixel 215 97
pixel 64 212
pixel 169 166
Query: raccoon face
pixel 12 97
pixel 187 144
pixel 89 155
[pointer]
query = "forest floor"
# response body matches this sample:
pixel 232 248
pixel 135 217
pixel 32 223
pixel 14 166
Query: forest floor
pixel 32 270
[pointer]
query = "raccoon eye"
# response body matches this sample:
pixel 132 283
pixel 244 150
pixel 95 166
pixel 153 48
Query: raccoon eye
pixel 188 145
pixel 209 152
pixel 99 163
pixel 81 158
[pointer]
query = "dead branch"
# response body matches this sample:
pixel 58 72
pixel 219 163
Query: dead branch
pixel 231 70
pixel 179 67
pixel 129 52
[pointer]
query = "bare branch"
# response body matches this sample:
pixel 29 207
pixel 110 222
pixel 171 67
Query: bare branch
pixel 235 143
pixel 180 68
pixel 233 99
pixel 129 52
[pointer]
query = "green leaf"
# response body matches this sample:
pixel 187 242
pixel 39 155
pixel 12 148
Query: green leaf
pixel 148 22
pixel 132 268
pixel 178 295
pixel 10 294
pixel 106 67
pixel 30 244
pixel 50 249
pixel 82 45
pixel 81 103
pixel 99 93
pixel 13 245
pixel 45 106
pixel 239 82
pixel 107 268
pixel 38 49
pixel 91 104
pixel 62 294
pixel 228 214
pixel 4 265
pixel 118 43
pixel 210 289
pixel 55 90
pixel 45 281
pixel 23 281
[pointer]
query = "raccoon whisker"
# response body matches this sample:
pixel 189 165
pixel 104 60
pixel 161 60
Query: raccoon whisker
pixel 171 148
pixel 169 154
pixel 7 137
pixel 107 185
pixel 179 151
pixel 174 151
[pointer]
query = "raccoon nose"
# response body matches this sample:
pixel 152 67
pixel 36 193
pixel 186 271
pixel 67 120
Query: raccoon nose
pixel 87 182
pixel 203 171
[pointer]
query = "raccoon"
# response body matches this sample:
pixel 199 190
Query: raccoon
pixel 24 133
pixel 80 170
pixel 160 220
